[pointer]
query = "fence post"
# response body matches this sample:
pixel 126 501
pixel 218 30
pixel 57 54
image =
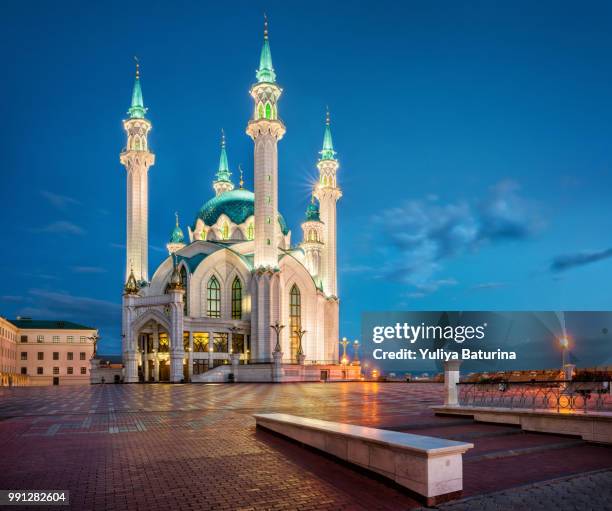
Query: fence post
pixel 451 378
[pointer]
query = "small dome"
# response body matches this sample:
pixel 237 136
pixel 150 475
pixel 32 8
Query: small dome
pixel 177 235
pixel 238 205
pixel 312 212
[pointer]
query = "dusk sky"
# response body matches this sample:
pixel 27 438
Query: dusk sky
pixel 474 138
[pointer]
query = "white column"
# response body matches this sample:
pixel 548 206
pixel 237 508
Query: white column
pixel 190 359
pixel 130 360
pixel 156 353
pixel 177 352
pixel 451 378
pixel 145 357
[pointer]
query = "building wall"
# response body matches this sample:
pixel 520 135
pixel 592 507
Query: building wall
pixel 8 351
pixel 45 354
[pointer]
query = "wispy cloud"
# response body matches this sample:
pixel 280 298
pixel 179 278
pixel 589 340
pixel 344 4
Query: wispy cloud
pixel 88 269
pixel 567 261
pixel 489 285
pixel 11 298
pixel 61 227
pixel 59 201
pixel 117 245
pixel 424 233
pixel 157 249
pixel 62 305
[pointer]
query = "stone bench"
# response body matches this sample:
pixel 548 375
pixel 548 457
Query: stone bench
pixel 430 467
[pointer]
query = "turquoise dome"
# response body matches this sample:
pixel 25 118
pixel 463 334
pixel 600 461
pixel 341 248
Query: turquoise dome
pixel 177 235
pixel 312 213
pixel 238 205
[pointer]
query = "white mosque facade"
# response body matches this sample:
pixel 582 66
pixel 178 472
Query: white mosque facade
pixel 234 300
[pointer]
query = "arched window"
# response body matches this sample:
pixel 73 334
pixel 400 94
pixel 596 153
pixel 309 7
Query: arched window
pixel 225 231
pixel 213 301
pixel 295 318
pixel 250 231
pixel 137 145
pixel 186 296
pixel 236 299
pixel 268 111
pixel 260 111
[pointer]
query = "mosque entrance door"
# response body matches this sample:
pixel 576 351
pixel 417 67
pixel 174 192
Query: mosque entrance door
pixel 164 370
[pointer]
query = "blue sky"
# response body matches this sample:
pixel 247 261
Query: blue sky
pixel 474 141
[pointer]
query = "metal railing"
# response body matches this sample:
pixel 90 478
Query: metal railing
pixel 562 396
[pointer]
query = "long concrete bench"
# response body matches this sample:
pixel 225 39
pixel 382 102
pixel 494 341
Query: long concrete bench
pixel 430 467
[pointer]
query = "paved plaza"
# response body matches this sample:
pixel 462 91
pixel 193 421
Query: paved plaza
pixel 149 447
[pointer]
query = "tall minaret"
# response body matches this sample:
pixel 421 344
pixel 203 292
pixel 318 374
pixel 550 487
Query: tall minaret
pixel 312 245
pixel 137 159
pixel 266 129
pixel 328 193
pixel 223 182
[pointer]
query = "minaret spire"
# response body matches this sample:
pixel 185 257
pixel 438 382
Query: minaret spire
pixel 241 182
pixel 223 182
pixel 266 73
pixel 177 238
pixel 327 153
pixel 137 109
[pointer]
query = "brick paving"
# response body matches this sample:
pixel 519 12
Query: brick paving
pixel 152 447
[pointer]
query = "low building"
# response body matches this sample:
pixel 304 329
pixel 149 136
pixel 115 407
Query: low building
pixel 54 352
pixel 107 369
pixel 9 375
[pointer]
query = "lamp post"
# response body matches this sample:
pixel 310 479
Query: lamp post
pixel 564 343
pixel 95 339
pixel 277 327
pixel 234 329
pixel 356 350
pixel 344 343
pixel 300 334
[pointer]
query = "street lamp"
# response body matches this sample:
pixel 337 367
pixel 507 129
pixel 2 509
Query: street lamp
pixel 344 343
pixel 95 339
pixel 564 343
pixel 356 350
pixel 300 334
pixel 277 327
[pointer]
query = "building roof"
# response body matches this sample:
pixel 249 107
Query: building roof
pixel 48 324
pixel 238 205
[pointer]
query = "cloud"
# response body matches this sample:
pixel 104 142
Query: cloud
pixel 88 269
pixel 11 298
pixel 158 249
pixel 61 227
pixel 489 285
pixel 117 245
pixel 567 261
pixel 423 233
pixel 59 201
pixel 81 309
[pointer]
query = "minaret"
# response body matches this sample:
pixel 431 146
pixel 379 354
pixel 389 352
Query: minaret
pixel 328 193
pixel 266 130
pixel 223 182
pixel 312 245
pixel 137 159
pixel 177 238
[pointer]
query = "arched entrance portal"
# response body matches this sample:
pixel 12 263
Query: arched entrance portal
pixel 153 350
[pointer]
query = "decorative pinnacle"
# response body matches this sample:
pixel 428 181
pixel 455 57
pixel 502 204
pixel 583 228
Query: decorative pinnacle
pixel 177 220
pixel 327 119
pixel 137 67
pixel 265 26
pixel 222 138
pixel 241 182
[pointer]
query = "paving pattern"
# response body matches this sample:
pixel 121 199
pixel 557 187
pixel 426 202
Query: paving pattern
pixel 119 447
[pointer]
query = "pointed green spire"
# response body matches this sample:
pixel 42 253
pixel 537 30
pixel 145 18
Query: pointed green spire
pixel 137 109
pixel 223 174
pixel 177 235
pixel 328 153
pixel 266 73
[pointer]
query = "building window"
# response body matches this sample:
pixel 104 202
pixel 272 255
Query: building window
pixel 70 338
pixel 164 343
pixel 220 342
pixel 225 231
pixel 83 370
pixel 268 199
pixel 200 342
pixel 56 339
pixel 24 338
pixel 83 339
pixel 236 299
pixel 268 111
pixel 39 370
pixel 24 355
pixel 40 338
pixel 56 370
pixel 268 242
pixel 295 318
pixel 250 231
pixel 268 220
pixel 70 356
pixel 24 370
pixel 238 343
pixel 260 111
pixel 41 355
pixel 214 298
pixel 82 355
pixel 56 355
pixel 70 370
pixel 186 295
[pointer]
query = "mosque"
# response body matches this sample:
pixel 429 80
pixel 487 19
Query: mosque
pixel 234 300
